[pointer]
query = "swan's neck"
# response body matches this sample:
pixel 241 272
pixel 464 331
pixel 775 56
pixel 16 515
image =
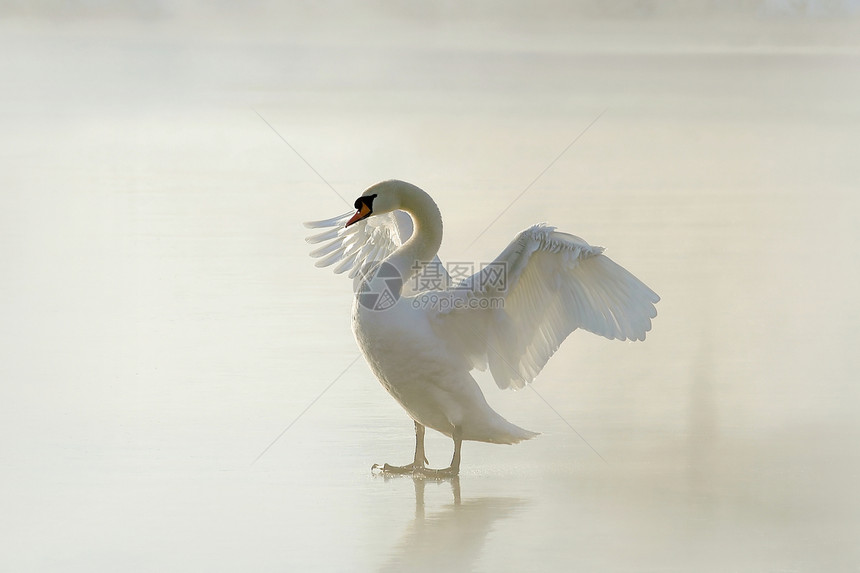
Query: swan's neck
pixel 426 238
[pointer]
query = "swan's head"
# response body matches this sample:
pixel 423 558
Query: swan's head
pixel 378 199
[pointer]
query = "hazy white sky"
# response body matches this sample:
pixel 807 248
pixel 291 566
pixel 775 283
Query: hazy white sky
pixel 535 10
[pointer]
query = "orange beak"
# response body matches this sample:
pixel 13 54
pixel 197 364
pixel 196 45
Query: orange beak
pixel 363 212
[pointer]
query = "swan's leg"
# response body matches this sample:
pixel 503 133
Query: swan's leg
pixel 454 468
pixel 458 444
pixel 417 462
pixel 420 458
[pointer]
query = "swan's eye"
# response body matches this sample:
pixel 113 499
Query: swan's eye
pixel 366 200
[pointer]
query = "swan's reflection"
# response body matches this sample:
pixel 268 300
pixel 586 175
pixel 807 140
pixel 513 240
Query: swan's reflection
pixel 451 538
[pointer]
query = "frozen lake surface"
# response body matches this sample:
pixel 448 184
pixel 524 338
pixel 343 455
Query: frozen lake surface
pixel 163 323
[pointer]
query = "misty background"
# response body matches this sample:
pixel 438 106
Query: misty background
pixel 163 324
pixel 503 10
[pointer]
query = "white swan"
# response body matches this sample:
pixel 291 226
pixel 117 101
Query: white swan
pixel 422 335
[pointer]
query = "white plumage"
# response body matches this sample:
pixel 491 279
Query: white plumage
pixel 510 316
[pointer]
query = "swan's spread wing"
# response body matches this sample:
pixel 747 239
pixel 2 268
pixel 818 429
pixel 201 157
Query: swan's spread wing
pixel 515 313
pixel 361 246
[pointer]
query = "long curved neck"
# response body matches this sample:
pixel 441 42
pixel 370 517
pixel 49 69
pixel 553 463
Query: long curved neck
pixel 426 237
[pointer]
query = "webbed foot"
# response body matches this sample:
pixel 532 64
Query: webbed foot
pixel 450 471
pixel 389 469
pixel 416 470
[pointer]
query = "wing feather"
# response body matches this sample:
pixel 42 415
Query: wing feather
pixel 555 283
pixel 361 246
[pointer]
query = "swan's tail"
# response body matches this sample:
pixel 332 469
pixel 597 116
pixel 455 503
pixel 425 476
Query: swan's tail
pixel 499 431
pixel 513 435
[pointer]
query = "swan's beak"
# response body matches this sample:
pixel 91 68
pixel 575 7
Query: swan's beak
pixel 362 213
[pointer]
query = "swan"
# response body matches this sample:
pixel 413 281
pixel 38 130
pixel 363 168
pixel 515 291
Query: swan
pixel 423 331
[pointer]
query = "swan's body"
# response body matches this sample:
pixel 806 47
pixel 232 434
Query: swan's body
pixel 511 316
pixel 417 368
